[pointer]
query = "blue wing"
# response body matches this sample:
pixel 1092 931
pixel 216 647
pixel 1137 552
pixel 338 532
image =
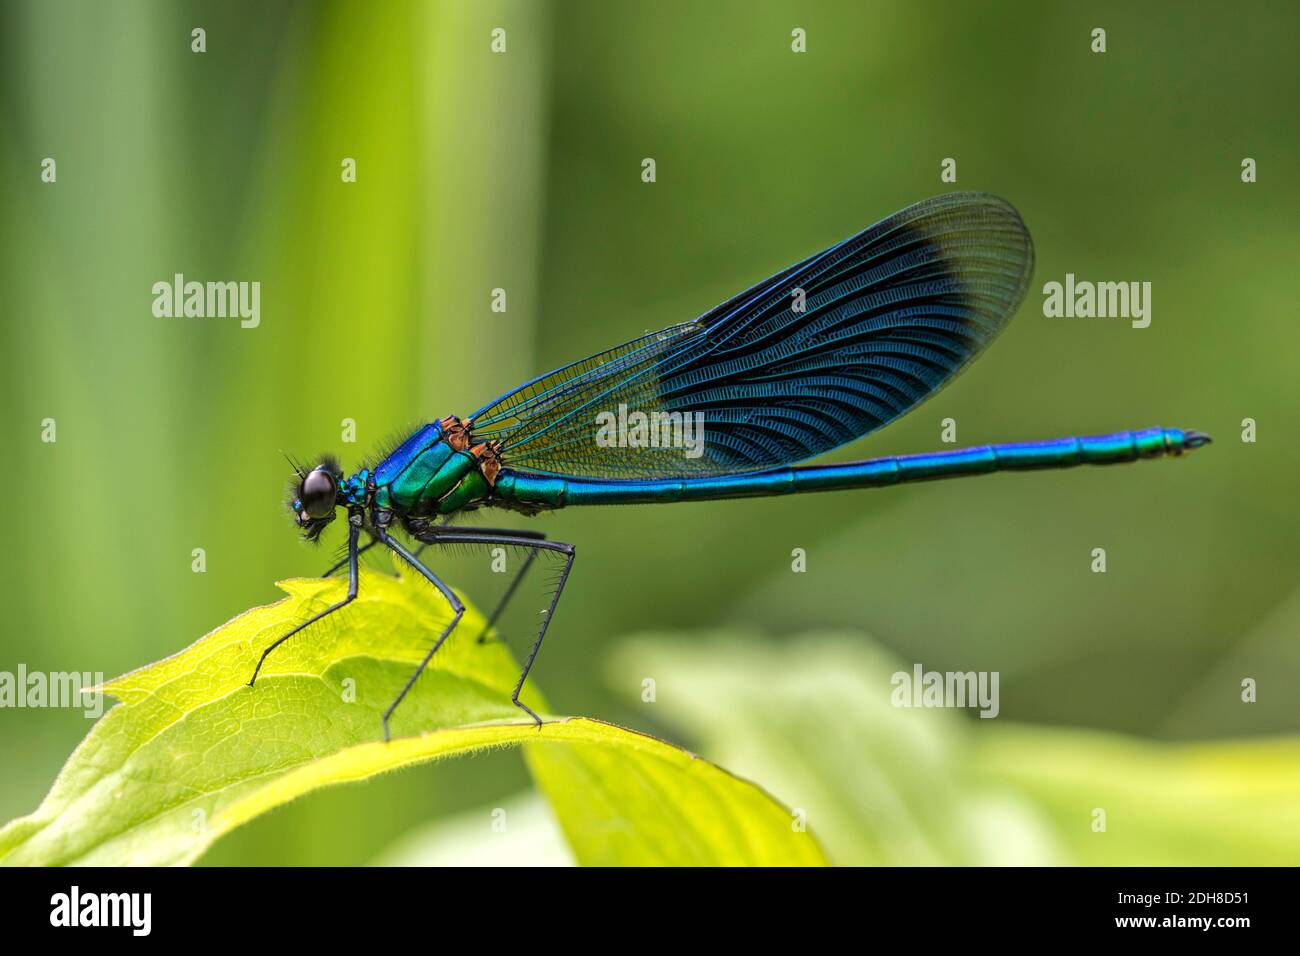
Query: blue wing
pixel 814 357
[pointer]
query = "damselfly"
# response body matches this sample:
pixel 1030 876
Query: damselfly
pixel 822 353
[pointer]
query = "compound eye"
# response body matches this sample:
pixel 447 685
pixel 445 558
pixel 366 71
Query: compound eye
pixel 317 493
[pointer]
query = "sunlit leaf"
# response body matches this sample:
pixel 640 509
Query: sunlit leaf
pixel 937 786
pixel 192 752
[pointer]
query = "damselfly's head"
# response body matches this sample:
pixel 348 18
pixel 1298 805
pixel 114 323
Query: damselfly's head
pixel 313 496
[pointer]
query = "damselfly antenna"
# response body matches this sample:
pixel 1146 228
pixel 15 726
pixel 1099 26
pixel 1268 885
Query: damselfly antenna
pixel 298 469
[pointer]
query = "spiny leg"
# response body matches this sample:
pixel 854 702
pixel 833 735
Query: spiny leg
pixel 514 583
pixel 568 551
pixel 458 609
pixel 522 540
pixel 344 560
pixel 370 544
pixel 354 532
pixel 505 598
pixel 445 522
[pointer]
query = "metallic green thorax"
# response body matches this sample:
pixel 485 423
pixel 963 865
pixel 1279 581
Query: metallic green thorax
pixel 427 476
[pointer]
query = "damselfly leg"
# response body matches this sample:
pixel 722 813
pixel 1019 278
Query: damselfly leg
pixel 370 544
pixel 535 543
pixel 458 610
pixel 343 561
pixel 354 533
pixel 505 598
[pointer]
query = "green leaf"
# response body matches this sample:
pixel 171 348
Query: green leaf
pixel 939 787
pixel 810 715
pixel 1212 803
pixel 192 752
pixel 645 802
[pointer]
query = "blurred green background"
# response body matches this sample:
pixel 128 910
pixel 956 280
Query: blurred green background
pixel 522 171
